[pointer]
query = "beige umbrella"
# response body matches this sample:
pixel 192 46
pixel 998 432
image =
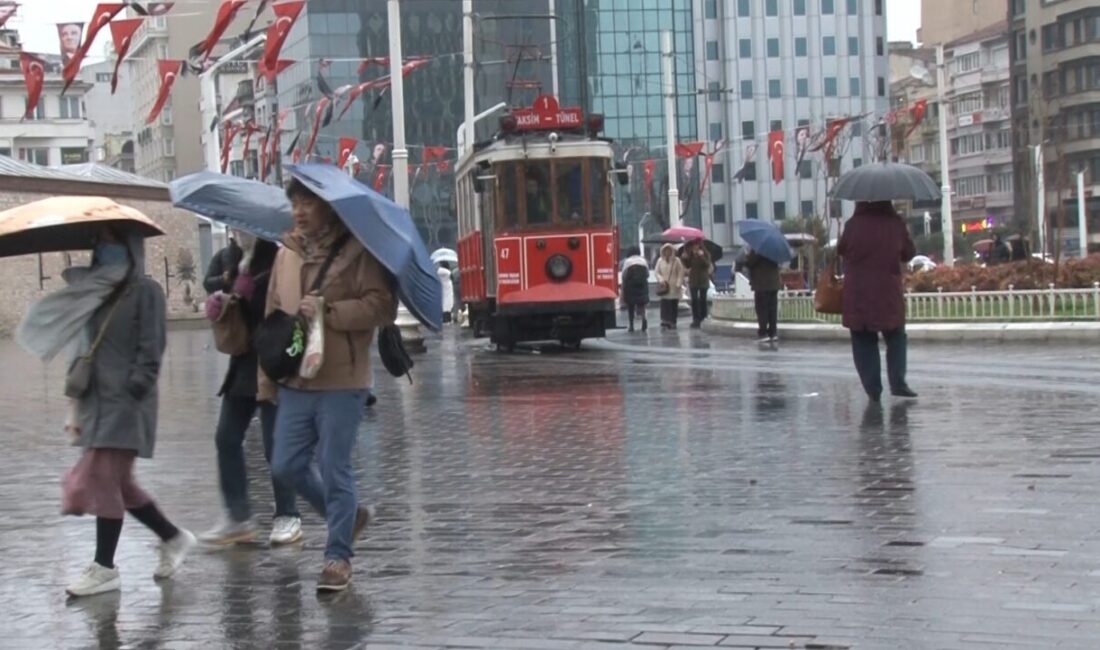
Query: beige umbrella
pixel 66 223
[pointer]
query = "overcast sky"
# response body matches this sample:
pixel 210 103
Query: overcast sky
pixel 36 19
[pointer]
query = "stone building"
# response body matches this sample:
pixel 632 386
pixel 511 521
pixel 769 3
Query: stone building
pixel 172 260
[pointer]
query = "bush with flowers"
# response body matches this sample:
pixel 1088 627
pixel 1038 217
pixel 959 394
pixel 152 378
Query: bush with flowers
pixel 1074 273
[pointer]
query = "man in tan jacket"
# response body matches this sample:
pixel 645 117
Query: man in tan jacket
pixel 323 414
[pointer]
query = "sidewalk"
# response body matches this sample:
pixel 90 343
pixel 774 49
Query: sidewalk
pixel 1062 332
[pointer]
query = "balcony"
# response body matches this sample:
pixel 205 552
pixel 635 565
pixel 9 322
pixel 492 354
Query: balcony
pixel 995 75
pixel 995 114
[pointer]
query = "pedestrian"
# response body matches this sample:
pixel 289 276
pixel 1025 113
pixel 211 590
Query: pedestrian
pixel 239 405
pixel 670 285
pixel 999 252
pixel 875 246
pixel 322 415
pixel 444 275
pixel 112 415
pixel 700 271
pixel 223 268
pixel 635 282
pixel 764 280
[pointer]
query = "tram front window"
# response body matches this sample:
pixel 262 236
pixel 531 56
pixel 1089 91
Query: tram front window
pixel 570 191
pixel 599 192
pixel 539 207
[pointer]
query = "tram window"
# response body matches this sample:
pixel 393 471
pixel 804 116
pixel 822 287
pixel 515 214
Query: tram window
pixel 569 187
pixel 507 177
pixel 536 193
pixel 599 190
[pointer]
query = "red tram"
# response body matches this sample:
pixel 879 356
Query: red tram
pixel 537 244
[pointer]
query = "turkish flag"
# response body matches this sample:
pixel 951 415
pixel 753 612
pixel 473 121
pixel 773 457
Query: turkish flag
pixel 122 34
pixel 231 131
pixel 249 130
pixel 917 114
pixel 34 75
pixel 443 166
pixel 776 151
pixel 347 147
pixel 649 168
pixel 414 64
pixel 285 15
pixel 432 155
pixel 153 8
pixel 7 10
pixel 324 105
pixel 380 177
pixel 269 75
pixel 169 71
pixel 689 149
pixel 264 155
pixel 356 91
pixel 382 61
pixel 105 12
pixel 227 12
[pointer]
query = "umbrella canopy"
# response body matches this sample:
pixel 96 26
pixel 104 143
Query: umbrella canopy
pixel 764 238
pixel 886 181
pixel 682 233
pixel 254 207
pixel 444 255
pixel 387 231
pixel 66 223
pixel 983 246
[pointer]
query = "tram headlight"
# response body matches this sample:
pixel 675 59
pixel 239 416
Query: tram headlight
pixel 559 268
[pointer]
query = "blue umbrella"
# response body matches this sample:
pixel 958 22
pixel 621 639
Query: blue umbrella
pixel 259 209
pixel 387 231
pixel 764 238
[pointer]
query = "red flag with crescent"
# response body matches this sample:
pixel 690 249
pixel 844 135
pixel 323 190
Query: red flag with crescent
pixel 231 131
pixel 832 130
pixel 105 12
pixel 323 105
pixel 347 147
pixel 380 177
pixel 264 158
pixel 250 129
pixel 286 13
pixel 917 114
pixel 689 149
pixel 169 71
pixel 227 12
pixel 708 167
pixel 432 156
pixel 122 34
pixel 381 61
pixel 649 168
pixel 34 75
pixel 776 151
pixel 7 10
pixel 355 91
pixel 269 75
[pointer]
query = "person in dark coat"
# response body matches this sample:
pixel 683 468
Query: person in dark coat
pixel 635 282
pixel 875 247
pixel 700 269
pixel 239 404
pixel 764 278
pixel 223 269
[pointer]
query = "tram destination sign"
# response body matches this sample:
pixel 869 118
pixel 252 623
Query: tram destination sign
pixel 547 114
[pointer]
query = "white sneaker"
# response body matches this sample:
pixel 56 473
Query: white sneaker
pixel 229 532
pixel 172 554
pixel 285 530
pixel 96 579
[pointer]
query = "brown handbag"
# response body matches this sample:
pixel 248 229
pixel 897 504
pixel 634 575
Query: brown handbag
pixel 829 295
pixel 231 335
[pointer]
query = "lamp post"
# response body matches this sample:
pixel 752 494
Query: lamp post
pixel 670 127
pixel 945 173
pixel 1082 224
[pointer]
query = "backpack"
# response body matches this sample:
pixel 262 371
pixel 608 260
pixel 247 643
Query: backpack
pixel 391 348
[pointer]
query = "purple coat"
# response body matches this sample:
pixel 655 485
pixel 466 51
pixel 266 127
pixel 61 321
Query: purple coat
pixel 875 245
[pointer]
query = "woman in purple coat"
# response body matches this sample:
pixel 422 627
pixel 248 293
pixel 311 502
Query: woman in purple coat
pixel 874 247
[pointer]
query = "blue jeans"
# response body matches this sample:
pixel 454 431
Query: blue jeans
pixel 328 422
pixel 233 422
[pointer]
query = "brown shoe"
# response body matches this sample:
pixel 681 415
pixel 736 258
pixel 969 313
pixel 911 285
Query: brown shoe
pixel 363 515
pixel 336 576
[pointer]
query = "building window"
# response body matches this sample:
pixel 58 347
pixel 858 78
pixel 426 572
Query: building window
pixel 800 46
pixel 74 155
pixel 802 87
pixel 771 7
pixel 746 89
pixel 857 129
pixel 916 153
pixel 968 62
pixel 1001 182
pixel 779 210
pixel 39 111
pixel 878 7
pixel 800 7
pixel 162 51
pixel 773 47
pixel 968 103
pixel 712 50
pixel 748 130
pixel 743 8
pixel 970 186
pixel 853 86
pixel 774 89
pixel 745 48
pixel 236 168
pixel 715 131
pixel 714 91
pixel 830 86
pixel 710 9
pixel 35 155
pixel 826 7
pixel 807 208
pixel 719 211
pixel 160 22
pixel 718 173
pixel 776 125
pixel 828 46
pixel 70 108
pixel 751 210
pixel 169 148
pixel 882 86
pixel 103 77
pixel 805 169
pixel 853 45
pixel 853 7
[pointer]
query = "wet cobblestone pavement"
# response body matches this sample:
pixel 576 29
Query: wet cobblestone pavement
pixel 670 491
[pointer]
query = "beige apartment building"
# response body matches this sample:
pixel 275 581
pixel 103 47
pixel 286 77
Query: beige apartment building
pixel 1055 54
pixel 945 21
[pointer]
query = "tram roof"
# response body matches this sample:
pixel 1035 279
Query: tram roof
pixel 536 146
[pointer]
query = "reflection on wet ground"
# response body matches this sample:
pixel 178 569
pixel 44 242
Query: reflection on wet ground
pixel 661 490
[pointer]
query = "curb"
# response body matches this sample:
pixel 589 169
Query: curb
pixel 1068 332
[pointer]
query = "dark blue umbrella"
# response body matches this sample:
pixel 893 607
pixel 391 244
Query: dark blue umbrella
pixel 387 231
pixel 764 238
pixel 258 209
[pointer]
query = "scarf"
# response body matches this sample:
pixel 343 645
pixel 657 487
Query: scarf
pixel 56 320
pixel 314 248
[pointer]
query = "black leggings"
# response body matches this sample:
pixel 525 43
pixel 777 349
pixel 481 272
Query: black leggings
pixel 108 531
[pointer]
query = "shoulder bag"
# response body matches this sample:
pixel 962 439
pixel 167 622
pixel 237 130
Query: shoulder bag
pixel 79 378
pixel 829 294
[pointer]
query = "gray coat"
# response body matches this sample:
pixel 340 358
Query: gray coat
pixel 763 273
pixel 120 408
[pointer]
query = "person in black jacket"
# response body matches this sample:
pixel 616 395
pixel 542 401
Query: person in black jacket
pixel 635 283
pixel 764 278
pixel 248 278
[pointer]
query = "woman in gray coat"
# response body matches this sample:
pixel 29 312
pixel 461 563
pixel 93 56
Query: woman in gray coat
pixel 118 315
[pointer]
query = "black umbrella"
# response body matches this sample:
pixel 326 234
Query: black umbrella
pixel 714 250
pixel 886 181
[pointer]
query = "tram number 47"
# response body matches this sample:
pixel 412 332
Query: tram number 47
pixel 505 253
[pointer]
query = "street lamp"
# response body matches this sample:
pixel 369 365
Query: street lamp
pixel 917 71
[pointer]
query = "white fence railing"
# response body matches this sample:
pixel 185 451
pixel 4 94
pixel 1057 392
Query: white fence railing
pixel 991 306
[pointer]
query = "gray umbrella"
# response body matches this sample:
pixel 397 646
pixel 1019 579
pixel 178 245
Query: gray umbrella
pixel 886 181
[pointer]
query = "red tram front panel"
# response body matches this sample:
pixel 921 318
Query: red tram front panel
pixel 605 247
pixel 471 268
pixel 510 267
pixel 574 246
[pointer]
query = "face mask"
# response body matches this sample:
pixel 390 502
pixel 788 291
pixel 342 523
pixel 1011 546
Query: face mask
pixel 111 255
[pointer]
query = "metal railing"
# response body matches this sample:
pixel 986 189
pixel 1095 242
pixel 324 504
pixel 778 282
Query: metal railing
pixel 1023 305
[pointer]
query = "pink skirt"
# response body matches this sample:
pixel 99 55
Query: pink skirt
pixel 102 484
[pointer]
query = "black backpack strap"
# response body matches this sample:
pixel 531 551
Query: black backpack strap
pixel 336 248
